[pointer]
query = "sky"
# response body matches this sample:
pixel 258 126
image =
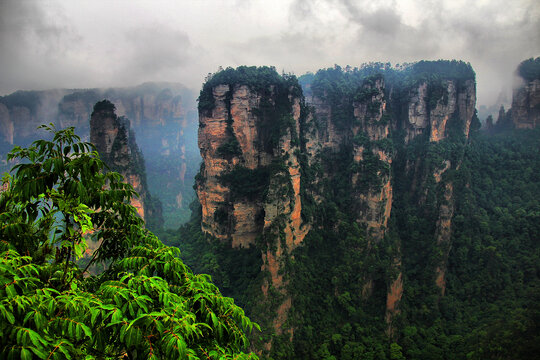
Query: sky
pixel 95 43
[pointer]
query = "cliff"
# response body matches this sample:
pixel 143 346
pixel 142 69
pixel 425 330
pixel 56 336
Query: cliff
pixel 351 164
pixel 364 136
pixel 525 112
pixel 23 111
pixel 116 144
pixel 432 110
pixel 249 183
pixel 526 105
pixel 162 114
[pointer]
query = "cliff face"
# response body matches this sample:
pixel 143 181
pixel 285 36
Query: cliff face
pixel 249 184
pixel 526 105
pixel 430 113
pixel 117 147
pixel 23 111
pixel 355 138
pixel 441 111
pixel 6 125
pixel 366 139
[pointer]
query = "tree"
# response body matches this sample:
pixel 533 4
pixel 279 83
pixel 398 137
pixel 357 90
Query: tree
pixel 146 305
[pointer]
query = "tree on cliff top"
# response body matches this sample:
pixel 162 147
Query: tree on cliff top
pixel 146 305
pixel 258 79
pixel 529 69
pixel 104 105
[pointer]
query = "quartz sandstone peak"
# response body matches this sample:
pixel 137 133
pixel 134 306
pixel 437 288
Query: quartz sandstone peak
pixel 116 144
pixel 249 138
pixel 526 105
pixel 237 143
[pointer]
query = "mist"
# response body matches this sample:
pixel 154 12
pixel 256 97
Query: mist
pixel 84 44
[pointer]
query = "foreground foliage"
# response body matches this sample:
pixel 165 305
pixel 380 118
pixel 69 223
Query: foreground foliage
pixel 146 305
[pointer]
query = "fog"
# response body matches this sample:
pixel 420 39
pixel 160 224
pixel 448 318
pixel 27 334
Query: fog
pixel 83 44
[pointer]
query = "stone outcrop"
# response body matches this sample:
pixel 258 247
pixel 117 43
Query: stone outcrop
pixel 526 105
pixel 358 128
pixel 244 145
pixel 435 117
pixel 116 144
pixel 366 136
pixel 6 125
pixel 432 115
pixel 23 111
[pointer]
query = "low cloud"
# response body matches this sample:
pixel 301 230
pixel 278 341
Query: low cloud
pixel 493 36
pixel 96 44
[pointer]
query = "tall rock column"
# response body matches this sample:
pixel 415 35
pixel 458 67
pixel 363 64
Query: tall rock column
pixel 526 105
pixel 441 112
pixel 116 144
pixel 249 183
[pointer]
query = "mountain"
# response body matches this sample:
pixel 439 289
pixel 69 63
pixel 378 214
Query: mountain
pixel 341 215
pixel 116 144
pixel 161 114
pixel 526 97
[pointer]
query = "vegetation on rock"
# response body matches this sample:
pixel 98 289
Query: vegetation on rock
pixel 529 69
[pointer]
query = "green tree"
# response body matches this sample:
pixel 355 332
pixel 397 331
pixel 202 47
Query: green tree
pixel 146 305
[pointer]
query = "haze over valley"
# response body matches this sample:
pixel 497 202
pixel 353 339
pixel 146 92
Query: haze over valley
pixel 328 179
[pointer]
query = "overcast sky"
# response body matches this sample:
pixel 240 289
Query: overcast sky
pixel 82 44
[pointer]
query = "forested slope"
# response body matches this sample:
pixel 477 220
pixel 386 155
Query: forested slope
pixel 422 238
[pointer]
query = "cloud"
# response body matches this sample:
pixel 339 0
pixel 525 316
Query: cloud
pixel 493 35
pixel 29 42
pixel 60 43
pixel 153 53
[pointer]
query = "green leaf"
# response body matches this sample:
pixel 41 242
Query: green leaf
pixel 11 292
pixel 38 352
pixel 9 317
pixel 26 354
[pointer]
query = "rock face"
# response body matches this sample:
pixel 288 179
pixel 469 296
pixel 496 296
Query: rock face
pixel 117 147
pixel 249 184
pixel 366 139
pixel 260 162
pixel 457 99
pixel 436 117
pixel 526 105
pixel 23 111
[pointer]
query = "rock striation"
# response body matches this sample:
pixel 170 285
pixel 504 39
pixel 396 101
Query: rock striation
pixel 526 105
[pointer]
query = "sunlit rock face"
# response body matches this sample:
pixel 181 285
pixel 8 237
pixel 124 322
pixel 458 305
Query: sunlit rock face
pixel 116 144
pixel 235 119
pixel 526 105
pixel 240 134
